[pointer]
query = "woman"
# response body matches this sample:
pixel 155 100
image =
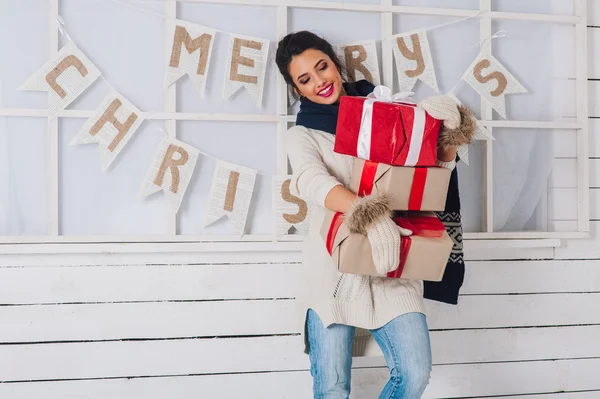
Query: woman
pixel 336 303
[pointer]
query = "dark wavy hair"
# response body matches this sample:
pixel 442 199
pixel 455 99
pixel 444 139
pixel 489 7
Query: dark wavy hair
pixel 296 43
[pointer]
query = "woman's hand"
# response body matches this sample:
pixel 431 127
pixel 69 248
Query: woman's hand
pixel 459 124
pixel 340 199
pixel 371 217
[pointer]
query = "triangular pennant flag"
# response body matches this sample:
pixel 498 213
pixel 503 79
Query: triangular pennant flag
pixel 246 66
pixel 481 133
pixel 414 60
pixel 289 210
pixel 360 61
pixel 492 81
pixel 64 77
pixel 230 195
pixel 113 125
pixel 171 171
pixel 463 153
pixel 191 49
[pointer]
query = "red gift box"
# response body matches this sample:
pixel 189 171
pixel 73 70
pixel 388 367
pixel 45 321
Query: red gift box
pixel 423 256
pixel 393 133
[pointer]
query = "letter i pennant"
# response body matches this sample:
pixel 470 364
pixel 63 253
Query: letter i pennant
pixel 230 194
pixel 171 171
pixel 64 77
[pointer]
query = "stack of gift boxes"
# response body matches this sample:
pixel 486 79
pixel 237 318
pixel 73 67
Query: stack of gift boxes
pixel 394 145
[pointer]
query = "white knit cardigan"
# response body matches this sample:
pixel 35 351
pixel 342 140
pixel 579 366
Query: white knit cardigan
pixel 339 298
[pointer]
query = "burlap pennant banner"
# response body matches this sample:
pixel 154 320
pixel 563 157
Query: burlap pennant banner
pixel 230 195
pixel 246 66
pixel 113 125
pixel 288 209
pixel 64 77
pixel 414 60
pixel 360 60
pixel 191 52
pixel 171 171
pixel 492 81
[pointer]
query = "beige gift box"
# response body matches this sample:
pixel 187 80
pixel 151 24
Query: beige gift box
pixel 409 189
pixel 424 255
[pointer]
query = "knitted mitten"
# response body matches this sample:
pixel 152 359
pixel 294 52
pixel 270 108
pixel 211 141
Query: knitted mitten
pixel 384 237
pixel 459 123
pixel 370 216
pixel 367 211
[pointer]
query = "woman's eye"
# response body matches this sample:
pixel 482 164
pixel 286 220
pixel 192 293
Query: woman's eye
pixel 324 67
pixel 304 82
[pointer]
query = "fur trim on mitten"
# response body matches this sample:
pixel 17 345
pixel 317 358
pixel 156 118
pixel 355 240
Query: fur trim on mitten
pixel 367 211
pixel 463 134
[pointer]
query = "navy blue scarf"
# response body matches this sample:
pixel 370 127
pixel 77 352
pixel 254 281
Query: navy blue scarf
pixel 324 116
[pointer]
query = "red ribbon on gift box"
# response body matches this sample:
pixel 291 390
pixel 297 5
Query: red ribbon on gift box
pixel 336 222
pixel 415 200
pixel 422 226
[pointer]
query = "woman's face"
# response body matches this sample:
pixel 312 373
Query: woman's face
pixel 316 77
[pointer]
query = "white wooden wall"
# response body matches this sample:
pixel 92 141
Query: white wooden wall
pixel 149 325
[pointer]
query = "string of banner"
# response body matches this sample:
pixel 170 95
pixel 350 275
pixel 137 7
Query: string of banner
pixel 70 73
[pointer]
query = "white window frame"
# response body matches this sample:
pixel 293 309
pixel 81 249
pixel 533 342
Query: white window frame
pixel 386 9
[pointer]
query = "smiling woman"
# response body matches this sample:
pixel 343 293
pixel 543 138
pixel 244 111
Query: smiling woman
pixel 335 303
pixel 317 77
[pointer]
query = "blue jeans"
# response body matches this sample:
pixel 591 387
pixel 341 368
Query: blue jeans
pixel 405 345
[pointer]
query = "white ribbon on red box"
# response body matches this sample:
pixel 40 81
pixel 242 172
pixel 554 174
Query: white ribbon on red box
pixel 384 94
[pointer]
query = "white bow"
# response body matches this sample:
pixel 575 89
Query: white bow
pixel 384 94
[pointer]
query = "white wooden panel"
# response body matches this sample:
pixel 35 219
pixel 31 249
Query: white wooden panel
pixel 563 204
pixel 514 310
pixel 447 381
pixel 583 248
pixel 565 143
pixel 562 226
pixel 491 253
pixel 564 173
pixel 593 43
pixel 594 204
pixel 564 395
pixel 284 385
pixel 212 356
pixel 44 323
pixel 102 284
pixel 513 378
pixel 594 142
pixel 593 13
pixel 90 257
pixel 366 383
pixel 594 94
pixel 521 344
pixel 595 173
pixel 146 320
pixel 517 277
pixel 31 285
